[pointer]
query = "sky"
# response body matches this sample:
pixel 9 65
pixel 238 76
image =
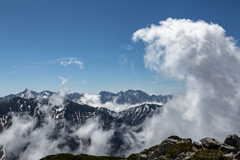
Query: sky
pixel 90 44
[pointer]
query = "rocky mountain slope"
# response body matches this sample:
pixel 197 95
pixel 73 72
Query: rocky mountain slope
pixel 177 148
pixel 71 116
pixel 130 96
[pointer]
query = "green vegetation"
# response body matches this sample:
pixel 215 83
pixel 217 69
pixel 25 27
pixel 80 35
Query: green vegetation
pixel 65 156
pixel 132 157
pixel 153 148
pixel 174 150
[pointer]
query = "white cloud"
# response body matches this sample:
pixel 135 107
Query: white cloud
pixel 209 61
pixel 63 80
pixel 72 61
pixel 127 47
pixel 64 62
pixel 132 68
pixel 83 82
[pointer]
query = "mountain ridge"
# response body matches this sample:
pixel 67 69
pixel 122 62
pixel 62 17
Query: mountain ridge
pixel 129 96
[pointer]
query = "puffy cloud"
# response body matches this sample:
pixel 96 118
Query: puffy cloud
pixel 95 101
pixel 209 61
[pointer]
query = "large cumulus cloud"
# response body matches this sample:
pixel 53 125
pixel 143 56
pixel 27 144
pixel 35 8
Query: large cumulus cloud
pixel 201 54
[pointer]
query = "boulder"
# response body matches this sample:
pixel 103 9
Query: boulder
pixel 237 156
pixel 175 137
pixel 210 143
pixel 228 148
pixel 185 156
pixel 185 140
pixel 164 146
pixel 233 140
pixel 229 155
pixel 197 145
pixel 162 157
pixel 145 151
pixel 141 157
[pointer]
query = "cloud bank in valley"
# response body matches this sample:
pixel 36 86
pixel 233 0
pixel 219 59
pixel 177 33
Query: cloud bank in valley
pixel 209 61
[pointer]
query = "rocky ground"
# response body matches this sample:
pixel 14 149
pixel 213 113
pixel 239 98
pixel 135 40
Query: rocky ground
pixel 176 148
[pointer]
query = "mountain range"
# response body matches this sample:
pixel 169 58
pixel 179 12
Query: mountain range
pixel 73 115
pixel 129 97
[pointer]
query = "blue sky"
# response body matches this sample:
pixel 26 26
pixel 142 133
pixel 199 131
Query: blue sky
pixel 41 41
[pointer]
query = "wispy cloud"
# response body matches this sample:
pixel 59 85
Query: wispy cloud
pixel 64 62
pixel 132 68
pixel 64 80
pixel 72 61
pixel 157 79
pixel 14 67
pixel 123 60
pixel 83 82
pixel 127 47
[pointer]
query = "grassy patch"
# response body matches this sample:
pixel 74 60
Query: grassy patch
pixel 153 148
pixel 65 156
pixel 132 157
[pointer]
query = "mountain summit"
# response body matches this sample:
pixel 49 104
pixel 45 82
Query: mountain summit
pixel 130 96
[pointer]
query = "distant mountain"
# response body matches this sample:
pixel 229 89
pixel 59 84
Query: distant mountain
pixel 135 115
pixel 130 96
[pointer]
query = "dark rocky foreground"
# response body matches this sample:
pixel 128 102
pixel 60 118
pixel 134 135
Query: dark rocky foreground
pixel 176 148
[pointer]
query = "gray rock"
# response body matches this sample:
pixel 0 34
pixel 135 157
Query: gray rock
pixel 141 157
pixel 233 140
pixel 237 156
pixel 162 157
pixel 228 148
pixel 185 156
pixel 145 151
pixel 175 137
pixel 229 155
pixel 210 143
pixel 185 140
pixel 197 145
pixel 164 146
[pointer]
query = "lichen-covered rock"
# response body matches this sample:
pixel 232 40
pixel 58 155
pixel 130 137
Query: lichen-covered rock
pixel 185 140
pixel 175 137
pixel 229 155
pixel 145 151
pixel 233 140
pixel 185 156
pixel 197 145
pixel 237 156
pixel 164 146
pixel 228 148
pixel 162 157
pixel 141 157
pixel 210 143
